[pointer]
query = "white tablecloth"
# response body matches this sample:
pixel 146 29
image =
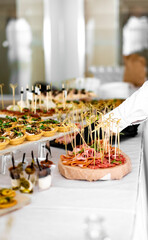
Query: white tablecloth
pixel 60 212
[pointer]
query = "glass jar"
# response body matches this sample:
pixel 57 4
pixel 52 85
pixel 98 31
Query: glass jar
pixel 15 178
pixel 44 178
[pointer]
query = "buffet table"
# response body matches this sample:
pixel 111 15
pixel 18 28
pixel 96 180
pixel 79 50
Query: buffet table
pixel 61 211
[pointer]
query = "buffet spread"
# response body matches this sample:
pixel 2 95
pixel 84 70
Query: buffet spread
pixel 62 116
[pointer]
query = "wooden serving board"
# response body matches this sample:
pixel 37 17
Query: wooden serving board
pixel 22 200
pixel 112 173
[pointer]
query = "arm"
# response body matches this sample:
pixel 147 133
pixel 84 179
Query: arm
pixel 133 110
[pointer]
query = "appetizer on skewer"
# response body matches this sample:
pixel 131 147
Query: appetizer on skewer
pixel 90 165
pixel 15 175
pixel 22 165
pixel 100 160
pixel 27 182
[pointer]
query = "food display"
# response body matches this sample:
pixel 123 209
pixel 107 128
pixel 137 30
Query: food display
pixel 73 94
pixel 22 165
pixel 59 104
pixel 28 180
pixel 54 103
pixel 88 165
pixel 15 175
pixel 97 156
pixel 25 176
pixel 17 130
pixel 72 106
pixel 100 160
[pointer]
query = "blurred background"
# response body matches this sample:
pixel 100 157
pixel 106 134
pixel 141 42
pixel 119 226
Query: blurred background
pixel 50 41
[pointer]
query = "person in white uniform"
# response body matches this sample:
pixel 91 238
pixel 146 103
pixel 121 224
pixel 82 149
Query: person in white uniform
pixel 134 110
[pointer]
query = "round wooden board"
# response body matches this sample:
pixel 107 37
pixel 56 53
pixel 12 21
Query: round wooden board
pixel 77 173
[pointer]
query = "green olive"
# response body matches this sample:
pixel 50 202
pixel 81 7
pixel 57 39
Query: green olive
pixel 24 183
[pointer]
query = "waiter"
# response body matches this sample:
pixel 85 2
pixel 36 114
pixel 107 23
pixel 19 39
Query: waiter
pixel 134 110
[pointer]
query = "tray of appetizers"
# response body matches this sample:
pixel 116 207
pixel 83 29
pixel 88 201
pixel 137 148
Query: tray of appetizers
pixel 28 126
pixel 9 148
pixel 98 159
pixel 87 163
pixel 18 131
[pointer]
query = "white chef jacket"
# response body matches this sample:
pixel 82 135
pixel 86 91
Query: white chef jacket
pixel 133 110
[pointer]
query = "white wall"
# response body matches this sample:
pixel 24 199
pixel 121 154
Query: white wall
pixel 64 40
